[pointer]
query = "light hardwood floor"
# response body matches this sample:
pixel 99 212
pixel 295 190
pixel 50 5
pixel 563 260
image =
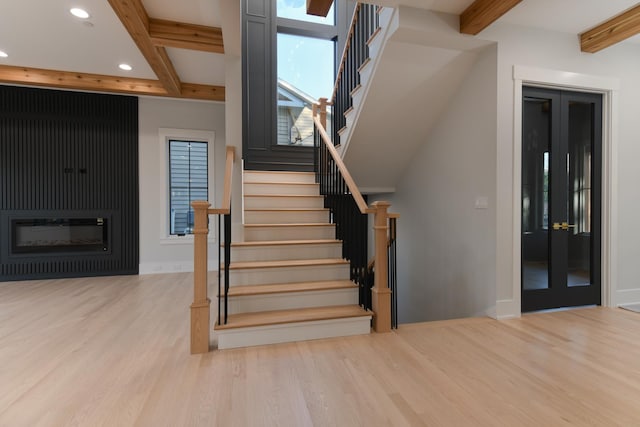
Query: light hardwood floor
pixel 113 351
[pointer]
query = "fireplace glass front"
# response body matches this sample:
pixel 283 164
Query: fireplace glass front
pixel 54 235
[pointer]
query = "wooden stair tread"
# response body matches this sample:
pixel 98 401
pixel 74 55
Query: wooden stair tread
pixel 286 263
pixel 280 288
pixel 282 195
pixel 364 64
pixel 286 210
pixel 265 318
pixel 373 35
pixel 281 182
pixel 297 224
pixel 250 171
pixel 284 242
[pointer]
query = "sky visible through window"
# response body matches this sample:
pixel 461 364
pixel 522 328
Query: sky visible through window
pixel 305 62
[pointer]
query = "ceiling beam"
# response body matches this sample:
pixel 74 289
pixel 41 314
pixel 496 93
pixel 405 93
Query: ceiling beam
pixel 185 36
pixel 318 7
pixel 136 21
pixel 204 92
pixel 482 13
pixel 616 29
pixel 102 83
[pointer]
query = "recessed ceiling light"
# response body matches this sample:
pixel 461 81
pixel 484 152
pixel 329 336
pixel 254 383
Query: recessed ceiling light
pixel 79 13
pixel 125 67
pixel 3 54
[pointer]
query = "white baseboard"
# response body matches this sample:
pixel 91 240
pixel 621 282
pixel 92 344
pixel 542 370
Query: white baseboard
pixel 507 309
pixel 627 296
pixel 172 267
pixel 489 312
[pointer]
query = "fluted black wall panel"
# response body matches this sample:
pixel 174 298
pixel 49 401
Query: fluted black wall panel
pixel 68 152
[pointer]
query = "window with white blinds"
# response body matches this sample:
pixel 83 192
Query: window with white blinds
pixel 188 181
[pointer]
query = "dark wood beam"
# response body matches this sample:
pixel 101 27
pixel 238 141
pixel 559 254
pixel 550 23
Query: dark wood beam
pixel 136 21
pixel 482 13
pixel 103 83
pixel 185 36
pixel 318 7
pixel 616 29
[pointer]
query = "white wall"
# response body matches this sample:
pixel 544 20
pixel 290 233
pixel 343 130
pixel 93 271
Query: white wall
pixel 446 246
pixel 233 85
pixel 154 113
pixel 557 51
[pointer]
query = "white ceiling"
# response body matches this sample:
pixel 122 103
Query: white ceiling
pixel 42 33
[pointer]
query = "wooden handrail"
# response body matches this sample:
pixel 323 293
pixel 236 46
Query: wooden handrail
pixel 200 309
pixel 345 51
pixel 380 292
pixel 225 207
pixel 353 188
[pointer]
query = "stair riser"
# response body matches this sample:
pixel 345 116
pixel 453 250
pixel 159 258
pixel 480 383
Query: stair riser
pixel 344 138
pixel 292 300
pixel 278 188
pixel 286 252
pixel 308 178
pixel 261 234
pixel 365 73
pixel 285 217
pixel 264 276
pixel 375 45
pixel 291 332
pixel 283 202
pixel 350 117
pixel 356 99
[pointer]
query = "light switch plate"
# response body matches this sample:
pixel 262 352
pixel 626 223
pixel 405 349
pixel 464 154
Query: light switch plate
pixel 482 202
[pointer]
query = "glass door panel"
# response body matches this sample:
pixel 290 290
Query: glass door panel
pixel 579 193
pixel 536 157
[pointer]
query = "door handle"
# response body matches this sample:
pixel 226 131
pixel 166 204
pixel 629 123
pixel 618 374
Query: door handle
pixel 563 226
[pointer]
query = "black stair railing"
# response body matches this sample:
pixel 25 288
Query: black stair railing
pixel 364 25
pixel 349 212
pixel 393 270
pixel 224 261
pixel 345 212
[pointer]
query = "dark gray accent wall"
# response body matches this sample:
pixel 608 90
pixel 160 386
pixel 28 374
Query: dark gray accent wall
pixel 259 74
pixel 69 153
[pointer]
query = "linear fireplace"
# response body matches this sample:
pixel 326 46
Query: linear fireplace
pixel 56 235
pixel 61 243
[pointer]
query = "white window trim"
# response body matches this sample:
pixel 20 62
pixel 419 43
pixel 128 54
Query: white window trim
pixel 164 136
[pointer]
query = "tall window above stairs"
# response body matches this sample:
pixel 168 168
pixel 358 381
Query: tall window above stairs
pixel 288 62
pixel 306 51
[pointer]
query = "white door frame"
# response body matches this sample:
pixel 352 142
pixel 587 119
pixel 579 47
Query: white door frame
pixel 608 87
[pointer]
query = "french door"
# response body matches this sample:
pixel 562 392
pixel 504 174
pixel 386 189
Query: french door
pixel 561 198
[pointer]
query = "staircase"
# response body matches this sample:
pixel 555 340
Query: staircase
pixel 288 281
pixel 416 60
